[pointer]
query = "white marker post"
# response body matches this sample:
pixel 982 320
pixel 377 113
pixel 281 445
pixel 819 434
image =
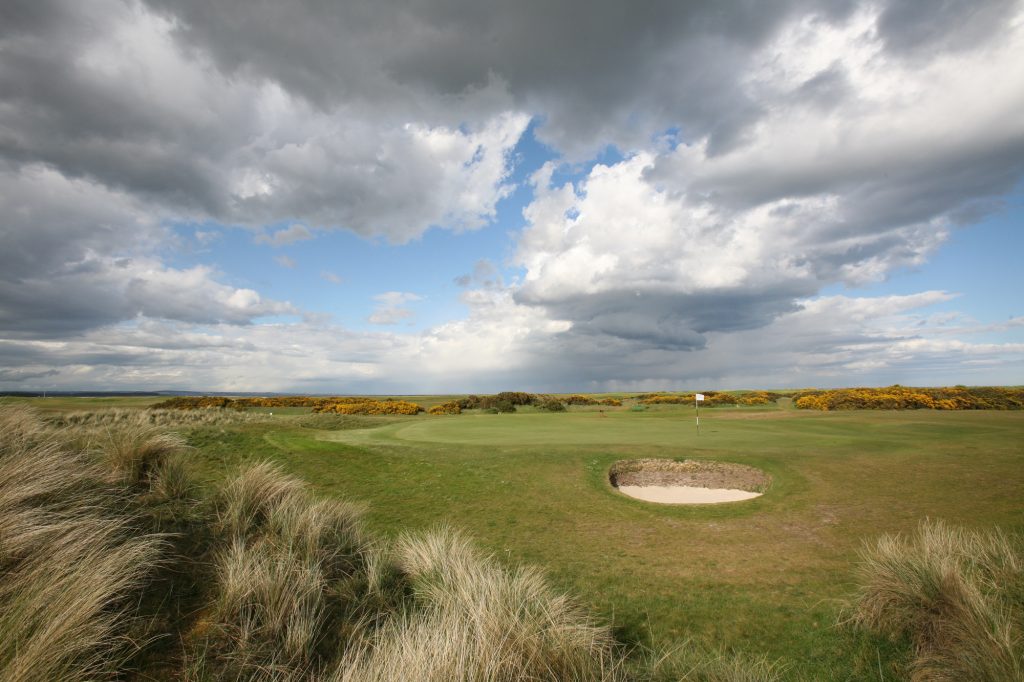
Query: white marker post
pixel 697 400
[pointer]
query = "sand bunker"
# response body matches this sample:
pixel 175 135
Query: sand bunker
pixel 688 482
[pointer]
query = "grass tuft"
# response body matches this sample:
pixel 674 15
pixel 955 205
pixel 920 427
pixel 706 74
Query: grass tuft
pixel 472 620
pixel 135 451
pixel 71 559
pixel 957 596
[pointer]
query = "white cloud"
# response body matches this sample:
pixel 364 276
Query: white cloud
pixel 391 307
pixel 284 261
pixel 829 341
pixel 843 186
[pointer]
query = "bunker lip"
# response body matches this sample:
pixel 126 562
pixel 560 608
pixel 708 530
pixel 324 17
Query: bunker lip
pixel 687 482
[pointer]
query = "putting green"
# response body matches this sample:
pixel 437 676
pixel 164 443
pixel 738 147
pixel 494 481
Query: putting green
pixel 580 428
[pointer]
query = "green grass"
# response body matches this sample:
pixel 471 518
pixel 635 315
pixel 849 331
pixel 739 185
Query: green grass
pixel 768 577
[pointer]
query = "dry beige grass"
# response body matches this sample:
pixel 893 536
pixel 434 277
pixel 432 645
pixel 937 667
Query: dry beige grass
pixel 133 452
pixel 958 596
pixel 162 418
pixel 472 620
pixel 69 559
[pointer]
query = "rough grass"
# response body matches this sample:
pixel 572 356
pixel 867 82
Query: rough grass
pixel 162 418
pixel 134 452
pixel 472 620
pixel 957 596
pixel 70 559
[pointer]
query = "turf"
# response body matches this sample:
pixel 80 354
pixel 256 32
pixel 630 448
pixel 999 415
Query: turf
pixel 767 576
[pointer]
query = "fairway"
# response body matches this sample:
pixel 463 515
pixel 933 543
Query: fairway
pixel 766 576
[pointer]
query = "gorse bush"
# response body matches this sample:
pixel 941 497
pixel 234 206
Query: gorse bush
pixel 904 398
pixel 450 407
pixel 956 596
pixel 487 402
pixel 674 399
pixel 579 400
pixel 758 398
pixel 370 407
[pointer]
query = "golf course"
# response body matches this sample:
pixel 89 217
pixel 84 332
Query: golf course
pixel 771 577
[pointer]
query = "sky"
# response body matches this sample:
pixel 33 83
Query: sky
pixel 452 196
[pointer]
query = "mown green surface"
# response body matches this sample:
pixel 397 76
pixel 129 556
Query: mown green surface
pixel 767 576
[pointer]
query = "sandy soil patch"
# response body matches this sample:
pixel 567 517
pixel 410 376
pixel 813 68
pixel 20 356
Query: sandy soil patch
pixel 685 494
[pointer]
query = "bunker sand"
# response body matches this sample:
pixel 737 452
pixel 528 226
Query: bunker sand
pixel 685 494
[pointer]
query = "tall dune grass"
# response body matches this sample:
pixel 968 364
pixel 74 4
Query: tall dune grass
pixel 956 595
pixel 70 559
pixel 163 418
pixel 288 581
pixel 472 620
pixel 135 451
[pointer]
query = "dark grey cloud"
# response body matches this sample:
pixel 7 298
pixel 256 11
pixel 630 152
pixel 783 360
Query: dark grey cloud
pixel 827 88
pixel 108 92
pixel 75 256
pixel 19 375
pixel 665 319
pixel 924 27
pixel 595 71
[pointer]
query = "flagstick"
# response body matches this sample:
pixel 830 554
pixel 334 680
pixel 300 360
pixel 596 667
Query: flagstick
pixel 696 406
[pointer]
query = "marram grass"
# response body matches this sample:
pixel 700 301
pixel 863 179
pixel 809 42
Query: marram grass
pixel 956 595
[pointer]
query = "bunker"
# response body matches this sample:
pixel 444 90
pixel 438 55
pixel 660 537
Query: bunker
pixel 690 481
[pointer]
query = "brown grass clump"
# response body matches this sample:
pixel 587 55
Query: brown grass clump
pixel 956 595
pixel 135 451
pixel 168 418
pixel 292 583
pixel 472 620
pixel 245 503
pixel 71 560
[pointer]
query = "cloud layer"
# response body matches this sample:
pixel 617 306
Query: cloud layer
pixel 761 155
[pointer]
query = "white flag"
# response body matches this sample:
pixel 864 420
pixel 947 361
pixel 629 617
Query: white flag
pixel 700 396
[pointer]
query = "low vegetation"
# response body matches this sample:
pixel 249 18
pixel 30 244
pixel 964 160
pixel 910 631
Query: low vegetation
pixel 372 407
pixel 450 407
